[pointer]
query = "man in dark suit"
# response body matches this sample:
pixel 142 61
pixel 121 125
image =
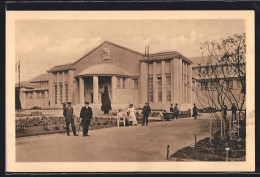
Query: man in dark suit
pixel 68 114
pixel 171 111
pixel 176 111
pixel 86 115
pixel 146 112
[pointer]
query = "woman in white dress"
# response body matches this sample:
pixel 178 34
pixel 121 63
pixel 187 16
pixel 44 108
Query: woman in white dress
pixel 131 112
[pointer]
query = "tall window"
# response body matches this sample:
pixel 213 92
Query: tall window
pixel 168 88
pixel 159 88
pixel 204 85
pixel 55 93
pixel 61 94
pixel 123 82
pixel 118 83
pixel 150 96
pixel 66 92
pixel 135 83
pixel 38 94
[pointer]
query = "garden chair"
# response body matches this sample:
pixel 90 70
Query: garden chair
pixel 121 118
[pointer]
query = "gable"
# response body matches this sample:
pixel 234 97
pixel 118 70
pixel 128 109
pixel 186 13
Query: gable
pixel 120 56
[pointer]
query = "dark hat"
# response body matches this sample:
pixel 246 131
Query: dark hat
pixel 176 104
pixel 86 102
pixel 194 104
pixel 68 102
pixel 131 105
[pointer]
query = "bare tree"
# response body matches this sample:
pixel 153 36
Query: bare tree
pixel 222 64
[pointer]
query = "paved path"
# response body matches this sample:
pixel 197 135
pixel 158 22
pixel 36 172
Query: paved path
pixel 134 143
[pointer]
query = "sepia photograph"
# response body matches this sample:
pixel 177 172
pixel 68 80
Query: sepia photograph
pixel 142 91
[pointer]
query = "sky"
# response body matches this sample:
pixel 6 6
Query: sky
pixel 42 44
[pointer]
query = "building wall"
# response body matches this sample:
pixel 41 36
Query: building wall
pixel 125 59
pixel 167 76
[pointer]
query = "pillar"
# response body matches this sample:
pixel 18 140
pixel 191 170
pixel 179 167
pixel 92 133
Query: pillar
pixel 176 80
pixel 172 82
pixel 180 83
pixel 46 98
pixel 143 82
pixel 58 88
pixel 50 84
pixel 163 82
pixel 70 85
pixel 95 89
pixel 186 83
pixel 63 87
pixel 155 92
pixel 113 88
pixel 129 87
pixel 81 90
pixel 190 84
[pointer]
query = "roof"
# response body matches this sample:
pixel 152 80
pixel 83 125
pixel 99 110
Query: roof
pixel 37 89
pixel 111 43
pixel 61 67
pixel 41 77
pixel 103 70
pixel 165 56
pixel 26 84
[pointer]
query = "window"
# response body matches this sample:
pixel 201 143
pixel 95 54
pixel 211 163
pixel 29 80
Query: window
pixel 229 84
pixel 150 96
pixel 31 95
pixel 159 88
pixel 67 91
pixel 118 82
pixel 123 82
pixel 55 93
pixel 38 94
pixel 61 93
pixel 204 85
pixel 42 94
pixel 168 88
pixel 135 83
pixel 213 85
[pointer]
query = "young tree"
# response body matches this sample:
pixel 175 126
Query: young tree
pixel 223 64
pixel 106 104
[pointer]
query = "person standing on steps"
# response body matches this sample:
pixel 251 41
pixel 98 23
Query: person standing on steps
pixel 86 115
pixel 68 114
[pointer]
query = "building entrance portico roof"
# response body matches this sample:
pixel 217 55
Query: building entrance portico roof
pixel 103 70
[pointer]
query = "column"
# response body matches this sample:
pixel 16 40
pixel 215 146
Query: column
pixel 163 82
pixel 143 82
pixel 63 87
pixel 81 90
pixel 190 83
pixel 113 88
pixel 176 80
pixel 46 98
pixel 129 87
pixel 172 82
pixel 70 85
pixel 58 88
pixel 155 92
pixel 95 89
pixel 179 78
pixel 50 84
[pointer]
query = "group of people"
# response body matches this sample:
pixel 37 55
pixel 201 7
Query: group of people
pixel 85 116
pixel 131 114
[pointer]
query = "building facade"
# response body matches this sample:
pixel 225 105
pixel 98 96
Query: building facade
pixel 130 76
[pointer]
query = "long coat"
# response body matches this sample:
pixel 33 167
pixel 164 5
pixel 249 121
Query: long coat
pixel 86 113
pixel 146 110
pixel 68 112
pixel 195 111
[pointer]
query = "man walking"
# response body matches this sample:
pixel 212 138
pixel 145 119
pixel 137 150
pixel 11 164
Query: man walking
pixel 195 111
pixel 68 114
pixel 86 115
pixel 146 112
pixel 234 111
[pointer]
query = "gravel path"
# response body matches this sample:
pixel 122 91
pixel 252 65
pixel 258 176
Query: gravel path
pixel 134 143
